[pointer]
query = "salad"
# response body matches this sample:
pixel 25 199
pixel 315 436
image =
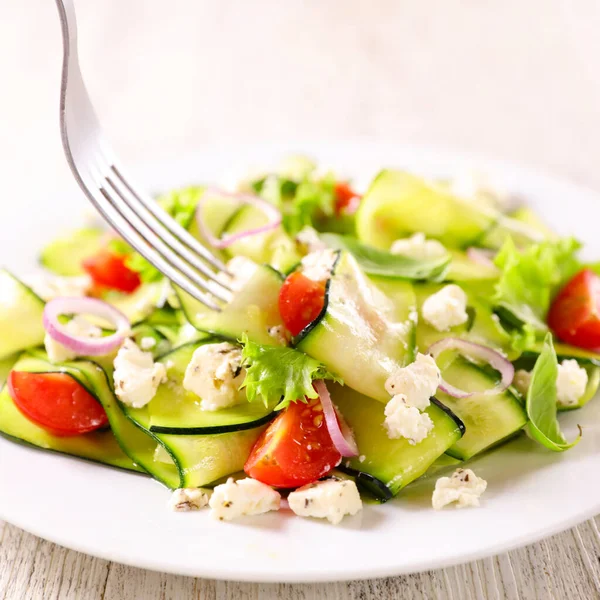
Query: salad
pixel 366 340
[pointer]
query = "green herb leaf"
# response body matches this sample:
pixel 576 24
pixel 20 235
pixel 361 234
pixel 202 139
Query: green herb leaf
pixel 541 402
pixel 385 264
pixel 276 373
pixel 529 278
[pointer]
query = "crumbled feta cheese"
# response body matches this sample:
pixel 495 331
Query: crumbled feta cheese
pixel 446 308
pixel 136 375
pixel 48 287
pixel 418 247
pixel 279 334
pixel 464 488
pixel 186 499
pixel 404 421
pixel 78 326
pixel 362 458
pixel 571 382
pixel 521 381
pixel 330 499
pixel 215 374
pixel 476 186
pixel 244 497
pixel 239 272
pixel 417 381
pixel 147 343
pixel 309 241
pixel 319 265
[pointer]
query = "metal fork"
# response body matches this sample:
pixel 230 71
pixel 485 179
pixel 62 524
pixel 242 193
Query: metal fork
pixel 130 211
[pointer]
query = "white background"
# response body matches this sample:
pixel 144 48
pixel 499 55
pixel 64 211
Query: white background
pixel 516 79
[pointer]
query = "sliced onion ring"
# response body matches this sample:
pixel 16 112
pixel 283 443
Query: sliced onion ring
pixel 483 353
pixel 85 346
pixel 271 211
pixel 340 433
pixel 481 256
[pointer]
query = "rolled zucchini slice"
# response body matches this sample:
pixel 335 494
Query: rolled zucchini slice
pixel 365 331
pixel 489 419
pixel 105 446
pixel 394 463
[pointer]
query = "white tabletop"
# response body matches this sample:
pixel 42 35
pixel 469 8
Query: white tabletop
pixel 512 79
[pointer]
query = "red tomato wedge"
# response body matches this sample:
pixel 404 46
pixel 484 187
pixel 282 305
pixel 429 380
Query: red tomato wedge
pixel 575 312
pixel 108 269
pixel 301 301
pixel 346 199
pixel 56 402
pixel 295 449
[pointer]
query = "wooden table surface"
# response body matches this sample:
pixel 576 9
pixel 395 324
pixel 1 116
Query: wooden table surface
pixel 513 79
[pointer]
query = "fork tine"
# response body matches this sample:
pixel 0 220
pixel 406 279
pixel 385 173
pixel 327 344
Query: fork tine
pixel 162 224
pixel 97 165
pixel 114 196
pixel 132 237
pixel 170 224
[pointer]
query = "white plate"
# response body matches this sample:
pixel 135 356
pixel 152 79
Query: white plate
pixel 532 493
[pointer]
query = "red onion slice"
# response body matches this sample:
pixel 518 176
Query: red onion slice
pixel 85 346
pixel 481 256
pixel 271 211
pixel 340 433
pixel 472 350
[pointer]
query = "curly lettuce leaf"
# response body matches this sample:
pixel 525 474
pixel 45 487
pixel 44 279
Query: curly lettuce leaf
pixel 529 278
pixel 282 374
pixel 541 402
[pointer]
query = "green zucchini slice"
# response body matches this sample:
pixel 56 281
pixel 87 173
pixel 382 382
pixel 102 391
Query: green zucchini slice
pixel 253 310
pixel 395 463
pixel 365 330
pixel 105 446
pixel 176 411
pixel 489 419
pixel 20 316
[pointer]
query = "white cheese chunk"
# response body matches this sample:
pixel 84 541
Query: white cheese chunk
pixel 78 326
pixel 187 499
pixel 404 421
pixel 463 487
pixel 319 265
pixel 417 381
pixel 215 374
pixel 147 343
pixel 48 287
pixel 571 382
pixel 330 499
pixel 418 247
pixel 136 375
pixel 521 381
pixel 309 241
pixel 235 499
pixel 279 334
pixel 446 308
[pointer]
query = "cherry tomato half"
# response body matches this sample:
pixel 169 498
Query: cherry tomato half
pixel 346 199
pixel 295 449
pixel 108 269
pixel 300 301
pixel 575 312
pixel 56 402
